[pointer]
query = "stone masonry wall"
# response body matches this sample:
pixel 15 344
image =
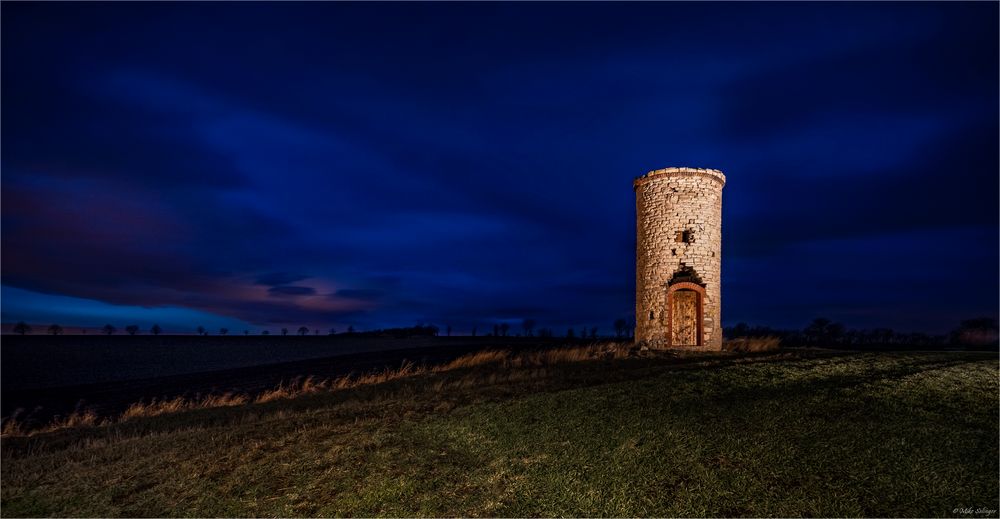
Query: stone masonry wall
pixel 678 226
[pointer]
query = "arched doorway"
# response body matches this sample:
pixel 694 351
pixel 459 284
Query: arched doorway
pixel 685 303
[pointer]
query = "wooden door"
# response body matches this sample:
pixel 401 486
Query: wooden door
pixel 684 317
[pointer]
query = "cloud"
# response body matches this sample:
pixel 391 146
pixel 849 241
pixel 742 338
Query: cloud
pixel 942 186
pixel 291 291
pixel 941 70
pixel 369 294
pixel 279 278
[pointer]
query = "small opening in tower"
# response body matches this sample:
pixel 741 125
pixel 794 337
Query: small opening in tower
pixel 652 315
pixel 673 252
pixel 685 237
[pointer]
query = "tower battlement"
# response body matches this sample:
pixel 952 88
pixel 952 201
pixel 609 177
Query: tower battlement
pixel 680 172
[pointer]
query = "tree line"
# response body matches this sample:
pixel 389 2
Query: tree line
pixel 22 328
pixel 529 328
pixel 820 332
pixel 981 331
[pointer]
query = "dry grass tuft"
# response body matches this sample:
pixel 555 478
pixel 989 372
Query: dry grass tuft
pixel 79 419
pixel 299 387
pixel 296 387
pixel 158 407
pixel 12 426
pixel 473 360
pixel 540 357
pixel 752 344
pixel 611 351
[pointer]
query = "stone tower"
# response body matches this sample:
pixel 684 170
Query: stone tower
pixel 678 258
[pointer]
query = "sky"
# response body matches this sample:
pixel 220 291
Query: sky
pixel 259 165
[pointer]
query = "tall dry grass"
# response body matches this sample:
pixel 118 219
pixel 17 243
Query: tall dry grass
pixel 506 359
pixel 752 344
pixel 158 407
pixel 12 426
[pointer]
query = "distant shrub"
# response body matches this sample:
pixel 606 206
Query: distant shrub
pixel 751 344
pixel 22 328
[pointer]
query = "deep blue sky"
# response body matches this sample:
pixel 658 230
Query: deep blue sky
pixel 259 165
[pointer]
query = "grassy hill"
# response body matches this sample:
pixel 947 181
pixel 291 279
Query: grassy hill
pixel 604 431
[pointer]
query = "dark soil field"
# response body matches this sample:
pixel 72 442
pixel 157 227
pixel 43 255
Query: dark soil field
pixel 38 361
pixel 44 377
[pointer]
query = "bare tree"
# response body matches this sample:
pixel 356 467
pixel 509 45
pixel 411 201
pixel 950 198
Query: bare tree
pixel 108 329
pixel 132 329
pixel 447 330
pixel 284 331
pixel 303 330
pixel 201 330
pixel 978 331
pixel 333 331
pixel 504 328
pixel 350 329
pixel 621 326
pixel 155 329
pixel 570 334
pixel 246 332
pixel 223 331
pixel 593 333
pixel 55 329
pixel 529 326
pixel 22 328
pixel 265 332
pixel 316 331
pixel 824 331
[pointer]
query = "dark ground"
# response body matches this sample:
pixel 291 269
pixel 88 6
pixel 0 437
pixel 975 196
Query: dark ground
pixel 44 377
pixel 798 433
pixel 22 355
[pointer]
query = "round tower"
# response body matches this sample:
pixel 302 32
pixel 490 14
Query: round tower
pixel 678 258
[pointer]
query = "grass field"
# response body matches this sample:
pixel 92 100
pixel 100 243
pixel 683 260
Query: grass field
pixel 644 434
